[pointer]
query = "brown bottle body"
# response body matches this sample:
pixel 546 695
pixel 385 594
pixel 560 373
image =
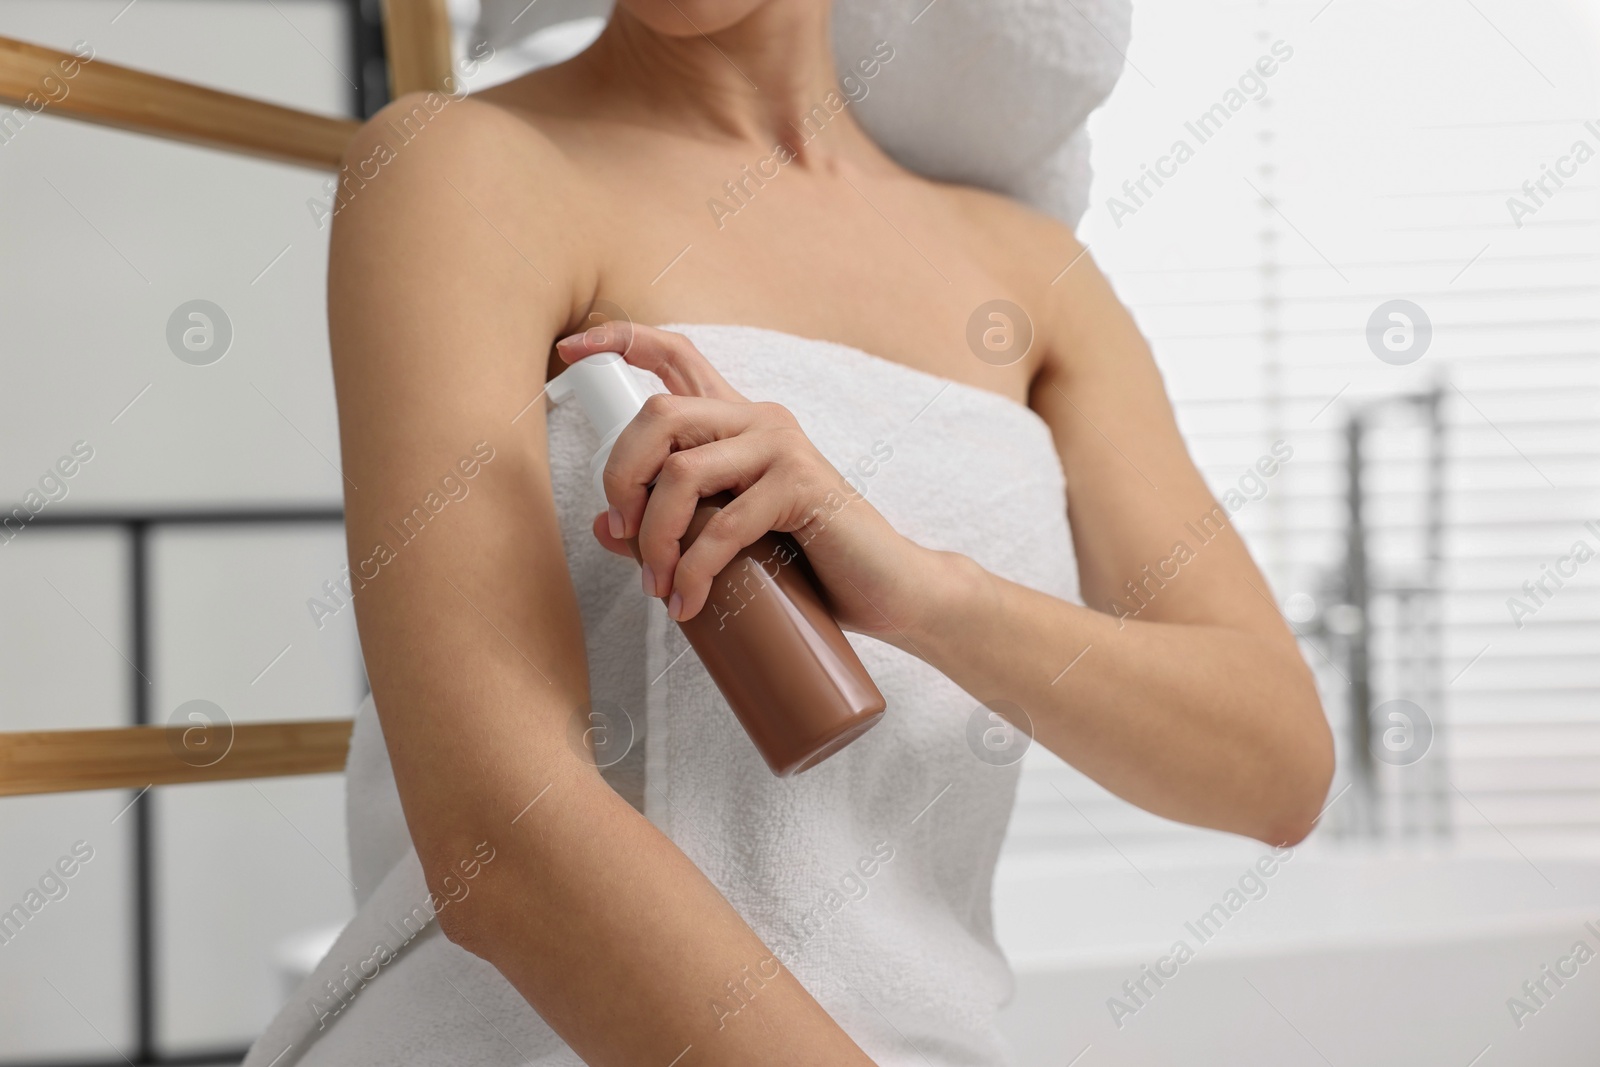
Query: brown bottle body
pixel 773 648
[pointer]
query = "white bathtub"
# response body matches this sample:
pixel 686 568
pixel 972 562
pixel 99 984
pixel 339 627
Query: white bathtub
pixel 1353 959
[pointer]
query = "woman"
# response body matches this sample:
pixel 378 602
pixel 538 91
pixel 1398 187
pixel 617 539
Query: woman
pixel 842 916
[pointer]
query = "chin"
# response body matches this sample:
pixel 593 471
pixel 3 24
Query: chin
pixel 690 18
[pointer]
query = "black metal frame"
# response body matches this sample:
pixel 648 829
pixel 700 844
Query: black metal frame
pixel 367 52
pixel 137 526
pixel 370 94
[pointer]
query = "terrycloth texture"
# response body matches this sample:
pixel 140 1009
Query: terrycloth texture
pixel 992 93
pixel 869 876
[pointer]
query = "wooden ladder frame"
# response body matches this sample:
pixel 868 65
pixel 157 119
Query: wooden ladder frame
pixel 417 43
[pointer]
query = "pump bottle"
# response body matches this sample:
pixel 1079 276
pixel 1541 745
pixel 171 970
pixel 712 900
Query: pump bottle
pixel 765 634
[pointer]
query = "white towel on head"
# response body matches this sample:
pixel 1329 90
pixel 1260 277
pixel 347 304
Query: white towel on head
pixel 868 876
pixel 991 93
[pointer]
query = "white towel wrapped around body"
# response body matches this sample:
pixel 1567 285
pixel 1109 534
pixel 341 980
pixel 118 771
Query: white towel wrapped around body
pixel 868 876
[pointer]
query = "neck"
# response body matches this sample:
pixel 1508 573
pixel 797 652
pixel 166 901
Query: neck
pixel 766 79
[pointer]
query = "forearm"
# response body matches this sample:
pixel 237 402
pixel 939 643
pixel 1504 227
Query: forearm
pixel 626 949
pixel 1206 724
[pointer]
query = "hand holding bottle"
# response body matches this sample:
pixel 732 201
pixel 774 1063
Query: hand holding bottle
pixel 704 438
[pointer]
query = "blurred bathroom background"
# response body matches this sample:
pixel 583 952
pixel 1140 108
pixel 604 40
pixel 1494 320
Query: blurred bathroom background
pixel 1363 280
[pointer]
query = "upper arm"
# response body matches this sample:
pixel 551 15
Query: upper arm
pixel 1140 511
pixel 447 285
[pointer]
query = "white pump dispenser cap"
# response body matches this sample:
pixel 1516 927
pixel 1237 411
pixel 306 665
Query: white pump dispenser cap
pixel 611 394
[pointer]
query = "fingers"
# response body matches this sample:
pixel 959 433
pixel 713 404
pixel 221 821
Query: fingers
pixel 686 478
pixel 700 438
pixel 672 357
pixel 730 530
pixel 666 426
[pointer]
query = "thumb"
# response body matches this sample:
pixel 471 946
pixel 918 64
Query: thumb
pixel 602 533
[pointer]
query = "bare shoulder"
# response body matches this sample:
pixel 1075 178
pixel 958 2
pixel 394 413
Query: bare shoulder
pixel 426 155
pixel 436 185
pixel 1025 246
pixel 422 138
pixel 1037 259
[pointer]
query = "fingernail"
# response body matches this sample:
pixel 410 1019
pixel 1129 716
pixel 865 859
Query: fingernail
pixel 675 605
pixel 567 342
pixel 614 523
pixel 647 578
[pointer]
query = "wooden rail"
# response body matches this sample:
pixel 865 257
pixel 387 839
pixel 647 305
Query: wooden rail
pixel 132 757
pixel 416 40
pixel 36 80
